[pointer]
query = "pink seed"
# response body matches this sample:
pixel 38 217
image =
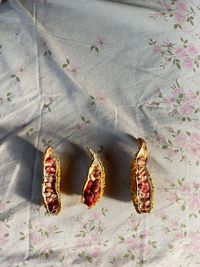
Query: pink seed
pixel 48 189
pixel 48 185
pixel 89 200
pixel 49 199
pixel 89 184
pixel 96 195
pixel 50 179
pixel 53 170
pixel 145 188
pixel 48 169
pixel 147 203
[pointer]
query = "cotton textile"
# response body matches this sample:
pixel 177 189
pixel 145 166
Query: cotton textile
pixel 100 74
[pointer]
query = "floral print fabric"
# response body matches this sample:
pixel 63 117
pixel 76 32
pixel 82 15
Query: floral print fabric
pixel 100 74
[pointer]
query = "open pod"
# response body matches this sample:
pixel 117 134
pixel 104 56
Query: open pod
pixel 51 181
pixel 95 183
pixel 142 188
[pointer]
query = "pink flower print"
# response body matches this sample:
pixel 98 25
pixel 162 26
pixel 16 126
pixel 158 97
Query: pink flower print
pixel 2 206
pixel 171 152
pixel 100 97
pixel 79 126
pixel 145 233
pixel 133 223
pixel 160 138
pixel 43 42
pixel 174 223
pixel 173 198
pixel 165 5
pixel 196 247
pixel 3 241
pixel 161 214
pixel 195 150
pixel 93 238
pixel 186 108
pixel 94 216
pixel 194 202
pixel 180 52
pixel 180 140
pixel 74 69
pixel 185 188
pixel 21 68
pixel 132 243
pixel 181 6
pixel 46 245
pixel 35 238
pixel 167 60
pixel 100 41
pixel 50 229
pixel 169 100
pixel 179 235
pixel 179 17
pixel 157 49
pixel 187 63
pixel 192 49
pixel 96 252
pixel 196 186
pixel 167 43
pixel 195 138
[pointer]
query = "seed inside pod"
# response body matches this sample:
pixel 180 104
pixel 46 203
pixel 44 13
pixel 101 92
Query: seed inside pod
pixel 95 183
pixel 141 183
pixel 51 181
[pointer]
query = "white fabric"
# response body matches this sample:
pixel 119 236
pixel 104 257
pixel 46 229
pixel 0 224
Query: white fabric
pixel 99 74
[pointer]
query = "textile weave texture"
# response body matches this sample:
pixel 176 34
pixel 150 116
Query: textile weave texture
pixel 100 74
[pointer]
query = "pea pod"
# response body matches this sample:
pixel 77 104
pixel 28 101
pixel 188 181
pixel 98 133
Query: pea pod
pixel 142 188
pixel 51 181
pixel 95 182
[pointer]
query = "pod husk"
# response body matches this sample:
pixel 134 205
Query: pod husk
pixel 95 158
pixel 142 151
pixel 49 152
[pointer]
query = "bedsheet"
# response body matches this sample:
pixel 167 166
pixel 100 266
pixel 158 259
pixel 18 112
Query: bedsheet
pixel 100 74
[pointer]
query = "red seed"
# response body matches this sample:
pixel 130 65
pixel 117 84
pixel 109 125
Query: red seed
pixel 48 185
pixel 54 196
pixel 147 203
pixel 48 190
pixel 97 182
pixel 48 169
pixel 49 161
pixel 143 195
pixel 87 190
pixel 53 170
pixel 96 195
pixel 145 187
pixel 89 184
pixel 95 188
pixel 89 200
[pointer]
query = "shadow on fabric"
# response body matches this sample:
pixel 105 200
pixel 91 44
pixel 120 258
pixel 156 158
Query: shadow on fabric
pixel 26 168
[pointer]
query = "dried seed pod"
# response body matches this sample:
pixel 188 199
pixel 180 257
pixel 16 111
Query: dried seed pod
pixel 95 183
pixel 51 181
pixel 142 188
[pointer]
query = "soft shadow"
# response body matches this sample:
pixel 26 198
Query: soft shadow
pixel 74 163
pixel 117 156
pixel 118 151
pixel 26 176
